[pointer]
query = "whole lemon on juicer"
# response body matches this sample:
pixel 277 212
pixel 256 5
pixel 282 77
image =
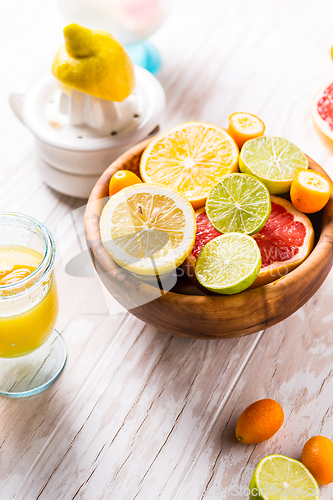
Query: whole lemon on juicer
pixel 95 63
pixel 259 421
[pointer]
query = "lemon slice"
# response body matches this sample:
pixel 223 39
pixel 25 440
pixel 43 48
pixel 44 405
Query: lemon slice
pixel 273 160
pixel 148 229
pixel 282 478
pixel 190 158
pixel 229 263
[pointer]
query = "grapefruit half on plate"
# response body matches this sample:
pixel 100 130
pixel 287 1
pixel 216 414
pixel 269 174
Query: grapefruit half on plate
pixel 285 241
pixel 322 115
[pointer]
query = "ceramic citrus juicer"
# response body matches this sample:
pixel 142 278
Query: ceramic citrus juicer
pixel 95 106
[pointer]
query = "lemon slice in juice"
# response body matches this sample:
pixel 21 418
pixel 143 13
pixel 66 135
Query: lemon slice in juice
pixel 148 229
pixel 229 263
pixel 273 160
pixel 282 478
pixel 239 202
pixel 190 158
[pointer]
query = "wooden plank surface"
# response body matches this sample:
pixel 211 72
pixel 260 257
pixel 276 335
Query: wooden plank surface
pixel 139 413
pixel 294 364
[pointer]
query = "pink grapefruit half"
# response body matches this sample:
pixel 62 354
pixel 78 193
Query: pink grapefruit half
pixel 322 115
pixel 285 241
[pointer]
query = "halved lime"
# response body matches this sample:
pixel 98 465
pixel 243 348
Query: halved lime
pixel 273 160
pixel 228 264
pixel 238 203
pixel 282 478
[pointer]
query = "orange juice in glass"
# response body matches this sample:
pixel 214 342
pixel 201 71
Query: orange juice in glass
pixel 32 353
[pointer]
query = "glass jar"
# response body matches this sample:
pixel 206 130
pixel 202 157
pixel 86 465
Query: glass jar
pixel 32 353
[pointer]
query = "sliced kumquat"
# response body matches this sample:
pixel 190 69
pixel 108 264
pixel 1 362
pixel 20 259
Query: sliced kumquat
pixel 244 126
pixel 310 191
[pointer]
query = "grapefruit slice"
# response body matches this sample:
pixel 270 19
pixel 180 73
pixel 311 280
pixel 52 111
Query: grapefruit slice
pixel 205 232
pixel 322 115
pixel 284 242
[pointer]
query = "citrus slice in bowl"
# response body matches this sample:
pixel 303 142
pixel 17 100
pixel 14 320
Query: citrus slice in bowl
pixel 285 241
pixel 273 160
pixel 240 203
pixel 148 229
pixel 228 264
pixel 190 158
pixel 205 231
pixel 310 191
pixel 322 115
pixel 244 126
pixel 280 477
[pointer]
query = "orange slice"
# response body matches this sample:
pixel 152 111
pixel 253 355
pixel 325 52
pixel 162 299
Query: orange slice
pixel 190 158
pixel 244 126
pixel 310 191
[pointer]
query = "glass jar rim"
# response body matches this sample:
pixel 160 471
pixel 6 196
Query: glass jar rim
pixel 45 265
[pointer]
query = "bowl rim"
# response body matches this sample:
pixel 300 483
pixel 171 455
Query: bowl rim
pixel 316 266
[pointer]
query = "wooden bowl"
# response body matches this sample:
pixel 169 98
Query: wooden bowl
pixel 184 310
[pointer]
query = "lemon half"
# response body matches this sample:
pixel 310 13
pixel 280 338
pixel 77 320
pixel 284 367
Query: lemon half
pixel 148 229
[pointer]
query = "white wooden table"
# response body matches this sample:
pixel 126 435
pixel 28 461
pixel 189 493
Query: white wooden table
pixel 138 413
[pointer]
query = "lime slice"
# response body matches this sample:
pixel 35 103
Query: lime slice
pixel 148 229
pixel 282 478
pixel 228 264
pixel 273 160
pixel 240 203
